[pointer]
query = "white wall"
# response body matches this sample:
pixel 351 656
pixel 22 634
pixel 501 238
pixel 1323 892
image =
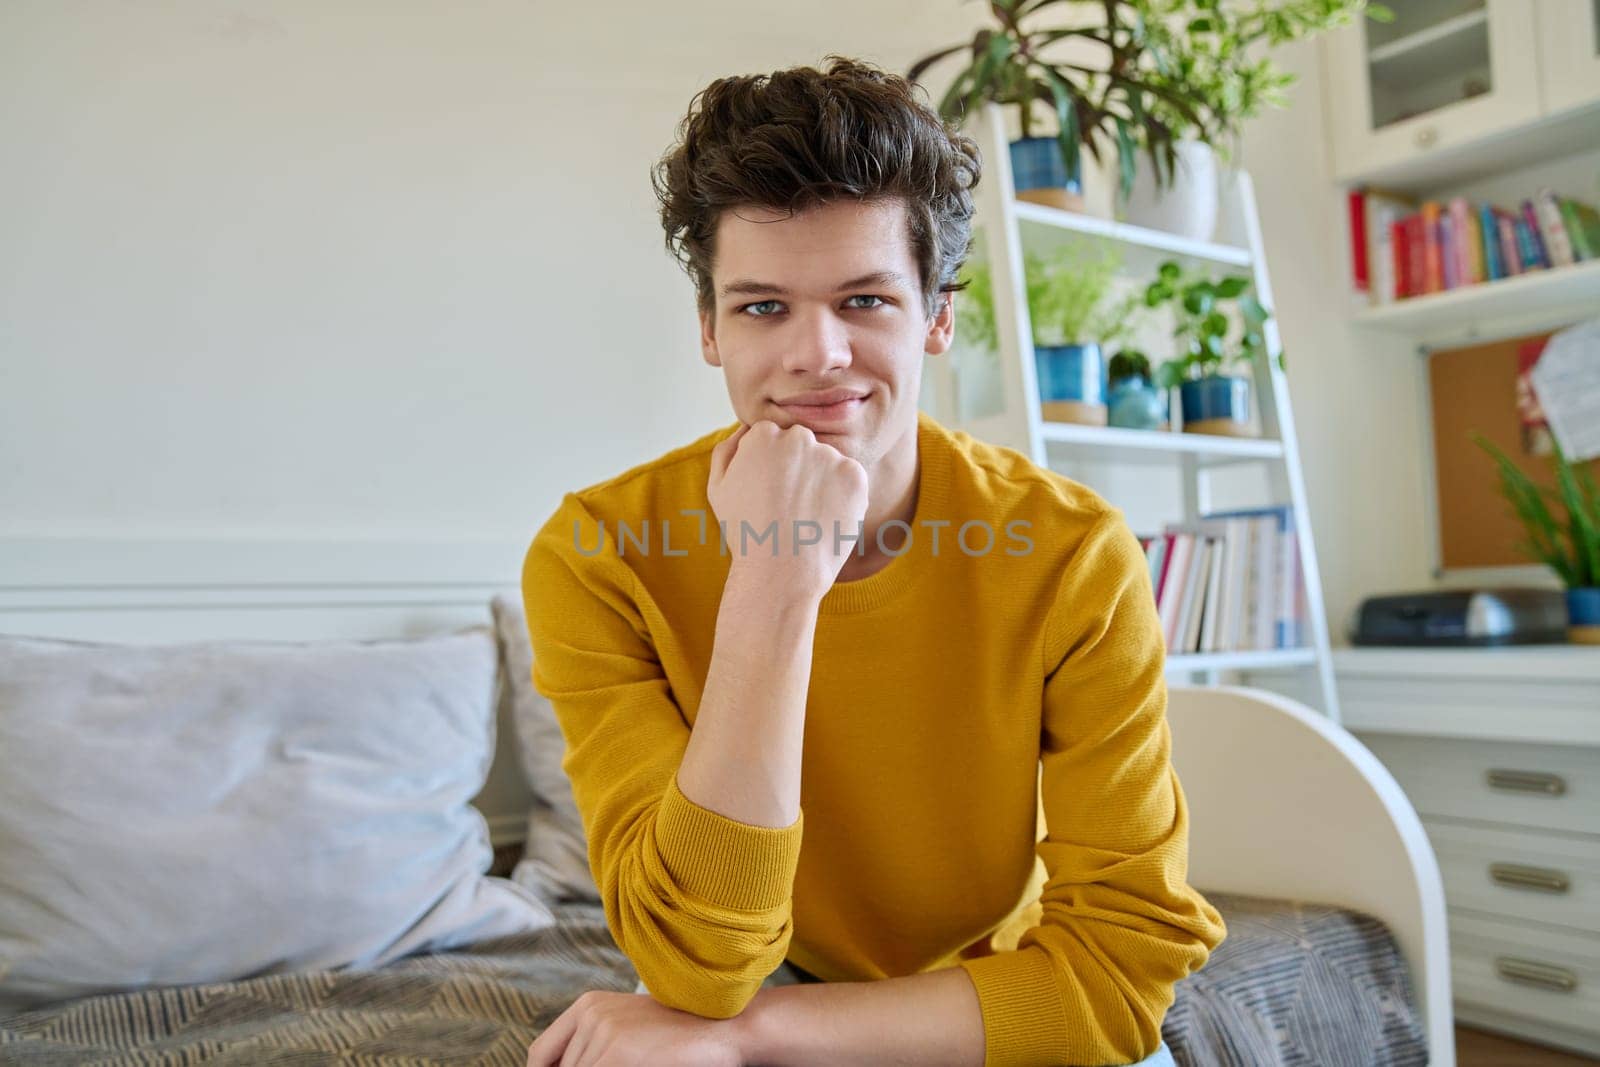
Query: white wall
pixel 392 271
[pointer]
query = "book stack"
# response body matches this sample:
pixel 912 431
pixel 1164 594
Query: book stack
pixel 1401 248
pixel 1229 582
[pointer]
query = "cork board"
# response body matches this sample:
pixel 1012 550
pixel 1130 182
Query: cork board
pixel 1476 389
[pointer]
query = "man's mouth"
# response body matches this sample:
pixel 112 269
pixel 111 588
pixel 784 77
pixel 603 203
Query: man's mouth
pixel 823 409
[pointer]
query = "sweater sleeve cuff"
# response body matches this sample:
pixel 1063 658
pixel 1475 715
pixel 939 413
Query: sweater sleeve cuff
pixel 1024 1021
pixel 721 860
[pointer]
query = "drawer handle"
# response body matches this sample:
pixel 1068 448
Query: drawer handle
pixel 1520 877
pixel 1542 975
pixel 1528 782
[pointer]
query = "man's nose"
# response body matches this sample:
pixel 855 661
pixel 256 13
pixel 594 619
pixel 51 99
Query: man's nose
pixel 822 343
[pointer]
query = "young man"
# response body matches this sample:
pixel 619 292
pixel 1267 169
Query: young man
pixel 819 670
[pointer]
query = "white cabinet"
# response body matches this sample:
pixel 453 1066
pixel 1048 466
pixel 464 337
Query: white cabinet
pixel 1569 51
pixel 1449 75
pixel 1443 73
pixel 1499 752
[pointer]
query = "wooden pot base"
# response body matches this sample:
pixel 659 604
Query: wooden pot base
pixel 1219 428
pixel 1064 199
pixel 1073 411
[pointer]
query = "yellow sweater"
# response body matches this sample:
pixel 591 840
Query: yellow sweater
pixel 954 695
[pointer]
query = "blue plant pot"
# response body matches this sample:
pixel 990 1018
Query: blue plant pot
pixel 1036 163
pixel 1216 404
pixel 1583 615
pixel 1136 404
pixel 1070 372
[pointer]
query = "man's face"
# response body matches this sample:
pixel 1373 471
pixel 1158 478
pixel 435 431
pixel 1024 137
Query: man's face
pixel 822 304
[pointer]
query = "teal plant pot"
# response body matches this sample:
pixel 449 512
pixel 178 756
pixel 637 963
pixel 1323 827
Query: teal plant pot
pixel 1036 165
pixel 1583 615
pixel 1216 404
pixel 1071 383
pixel 1136 404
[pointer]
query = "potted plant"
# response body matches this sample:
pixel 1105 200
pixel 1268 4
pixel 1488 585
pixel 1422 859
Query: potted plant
pixel 1212 401
pixel 1065 293
pixel 1570 543
pixel 1132 400
pixel 1133 76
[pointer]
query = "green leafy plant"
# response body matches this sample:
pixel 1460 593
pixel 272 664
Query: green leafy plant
pixel 1162 70
pixel 1200 311
pixel 1066 291
pixel 1569 544
pixel 1128 363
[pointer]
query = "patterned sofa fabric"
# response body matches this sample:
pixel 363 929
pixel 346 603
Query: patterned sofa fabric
pixel 1293 984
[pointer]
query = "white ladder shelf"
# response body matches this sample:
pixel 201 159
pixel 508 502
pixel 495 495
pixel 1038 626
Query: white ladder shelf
pixel 1019 424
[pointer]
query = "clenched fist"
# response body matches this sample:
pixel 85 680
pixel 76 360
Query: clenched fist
pixel 790 506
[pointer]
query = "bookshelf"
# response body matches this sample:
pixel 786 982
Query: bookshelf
pixel 1010 227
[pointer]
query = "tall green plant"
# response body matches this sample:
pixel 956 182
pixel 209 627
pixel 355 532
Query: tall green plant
pixel 1570 545
pixel 1163 70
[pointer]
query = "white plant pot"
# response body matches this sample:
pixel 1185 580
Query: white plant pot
pixel 1188 206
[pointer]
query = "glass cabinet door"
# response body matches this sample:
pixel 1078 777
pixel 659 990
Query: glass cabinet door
pixel 1433 54
pixel 1442 73
pixel 1569 46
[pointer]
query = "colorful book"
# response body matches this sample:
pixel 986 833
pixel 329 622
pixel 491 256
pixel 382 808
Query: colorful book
pixel 1416 249
pixel 1433 253
pixel 1468 242
pixel 1449 256
pixel 1400 254
pixel 1510 255
pixel 1170 601
pixel 1530 222
pixel 1489 230
pixel 1558 246
pixel 1356 206
pixel 1582 224
pixel 1195 596
pixel 1382 210
pixel 1213 609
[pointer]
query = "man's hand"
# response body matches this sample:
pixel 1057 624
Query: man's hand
pixel 763 475
pixel 627 1029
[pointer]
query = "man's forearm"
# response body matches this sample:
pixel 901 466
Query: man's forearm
pixel 926 1019
pixel 744 753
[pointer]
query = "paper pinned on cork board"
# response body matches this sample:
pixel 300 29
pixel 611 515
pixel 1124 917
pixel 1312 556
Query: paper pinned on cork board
pixel 1567 379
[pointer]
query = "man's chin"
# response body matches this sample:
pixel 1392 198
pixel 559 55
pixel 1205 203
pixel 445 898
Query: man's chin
pixel 843 443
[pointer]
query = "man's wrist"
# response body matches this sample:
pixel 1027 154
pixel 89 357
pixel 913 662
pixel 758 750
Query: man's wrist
pixel 748 1029
pixel 759 582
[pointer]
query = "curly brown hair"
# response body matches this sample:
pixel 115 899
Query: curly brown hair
pixel 801 137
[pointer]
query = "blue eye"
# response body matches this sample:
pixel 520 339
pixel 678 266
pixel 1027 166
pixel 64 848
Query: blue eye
pixel 746 309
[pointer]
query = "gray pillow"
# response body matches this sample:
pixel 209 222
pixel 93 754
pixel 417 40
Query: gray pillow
pixel 209 812
pixel 555 862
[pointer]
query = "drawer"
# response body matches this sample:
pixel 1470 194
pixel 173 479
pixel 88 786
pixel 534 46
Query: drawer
pixel 1550 787
pixel 1526 970
pixel 1520 874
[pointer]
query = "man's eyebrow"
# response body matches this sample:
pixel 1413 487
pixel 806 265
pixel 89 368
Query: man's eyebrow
pixel 751 287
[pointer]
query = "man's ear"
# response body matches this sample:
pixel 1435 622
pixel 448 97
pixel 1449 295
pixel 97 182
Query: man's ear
pixel 708 339
pixel 942 327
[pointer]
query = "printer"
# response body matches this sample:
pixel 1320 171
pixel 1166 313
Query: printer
pixel 1502 616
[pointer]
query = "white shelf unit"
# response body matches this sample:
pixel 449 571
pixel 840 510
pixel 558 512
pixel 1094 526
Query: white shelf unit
pixel 1544 297
pixel 1010 226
